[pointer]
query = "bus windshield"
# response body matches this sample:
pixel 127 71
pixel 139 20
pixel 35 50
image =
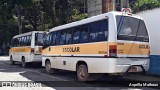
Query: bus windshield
pixel 130 28
pixel 39 38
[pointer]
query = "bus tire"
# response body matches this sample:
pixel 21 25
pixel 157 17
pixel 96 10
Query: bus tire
pixel 48 68
pixel 82 73
pixel 11 60
pixel 24 64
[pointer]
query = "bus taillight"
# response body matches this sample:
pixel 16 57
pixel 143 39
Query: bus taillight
pixel 32 50
pixel 113 50
pixel 149 51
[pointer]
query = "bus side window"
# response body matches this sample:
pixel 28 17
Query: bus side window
pixel 84 34
pixel 93 36
pixel 76 35
pixel 54 38
pixel 29 40
pixel 57 37
pixel 48 40
pixel 16 42
pixel 24 41
pixel 69 36
pixel 62 37
pixel 20 41
pixel 22 38
pixel 103 30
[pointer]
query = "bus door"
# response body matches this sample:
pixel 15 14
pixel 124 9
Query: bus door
pixel 132 37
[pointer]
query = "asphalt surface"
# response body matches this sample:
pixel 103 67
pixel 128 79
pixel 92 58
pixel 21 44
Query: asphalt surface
pixel 65 80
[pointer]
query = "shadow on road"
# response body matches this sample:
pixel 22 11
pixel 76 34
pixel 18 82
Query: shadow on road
pixel 63 78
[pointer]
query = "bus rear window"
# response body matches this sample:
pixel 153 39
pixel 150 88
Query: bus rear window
pixel 133 29
pixel 39 38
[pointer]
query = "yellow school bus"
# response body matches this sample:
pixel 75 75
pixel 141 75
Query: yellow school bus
pixel 112 43
pixel 27 47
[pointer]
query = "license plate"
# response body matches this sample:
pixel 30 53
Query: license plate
pixel 133 69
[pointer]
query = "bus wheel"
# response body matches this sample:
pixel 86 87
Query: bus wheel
pixel 11 60
pixel 23 62
pixel 82 73
pixel 48 68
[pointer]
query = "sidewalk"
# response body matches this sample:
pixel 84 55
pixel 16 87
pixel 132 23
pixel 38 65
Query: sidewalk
pixel 4 58
pixel 9 73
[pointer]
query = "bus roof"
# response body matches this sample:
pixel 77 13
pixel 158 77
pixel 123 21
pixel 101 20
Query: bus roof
pixel 92 19
pixel 28 33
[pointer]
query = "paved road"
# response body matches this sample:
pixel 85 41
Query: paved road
pixel 36 74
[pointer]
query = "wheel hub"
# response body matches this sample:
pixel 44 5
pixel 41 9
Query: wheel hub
pixel 82 73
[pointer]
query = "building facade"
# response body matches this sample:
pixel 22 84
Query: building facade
pixel 96 7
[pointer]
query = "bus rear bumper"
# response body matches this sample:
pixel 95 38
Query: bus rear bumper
pixel 37 58
pixel 124 65
pixel 120 65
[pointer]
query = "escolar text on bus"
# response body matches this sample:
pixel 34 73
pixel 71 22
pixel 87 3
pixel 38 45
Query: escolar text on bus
pixel 71 49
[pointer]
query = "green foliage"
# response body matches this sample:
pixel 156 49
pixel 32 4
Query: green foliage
pixel 78 16
pixel 142 5
pixel 38 14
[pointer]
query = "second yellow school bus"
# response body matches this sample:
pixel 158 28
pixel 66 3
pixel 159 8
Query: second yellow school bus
pixel 27 48
pixel 111 43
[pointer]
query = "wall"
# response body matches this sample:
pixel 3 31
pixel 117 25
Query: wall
pixel 94 7
pixel 152 20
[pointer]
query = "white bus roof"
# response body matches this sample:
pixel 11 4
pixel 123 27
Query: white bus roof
pixel 92 19
pixel 28 33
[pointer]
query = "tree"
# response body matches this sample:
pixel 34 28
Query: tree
pixel 142 5
pixel 37 15
pixel 59 12
pixel 78 16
